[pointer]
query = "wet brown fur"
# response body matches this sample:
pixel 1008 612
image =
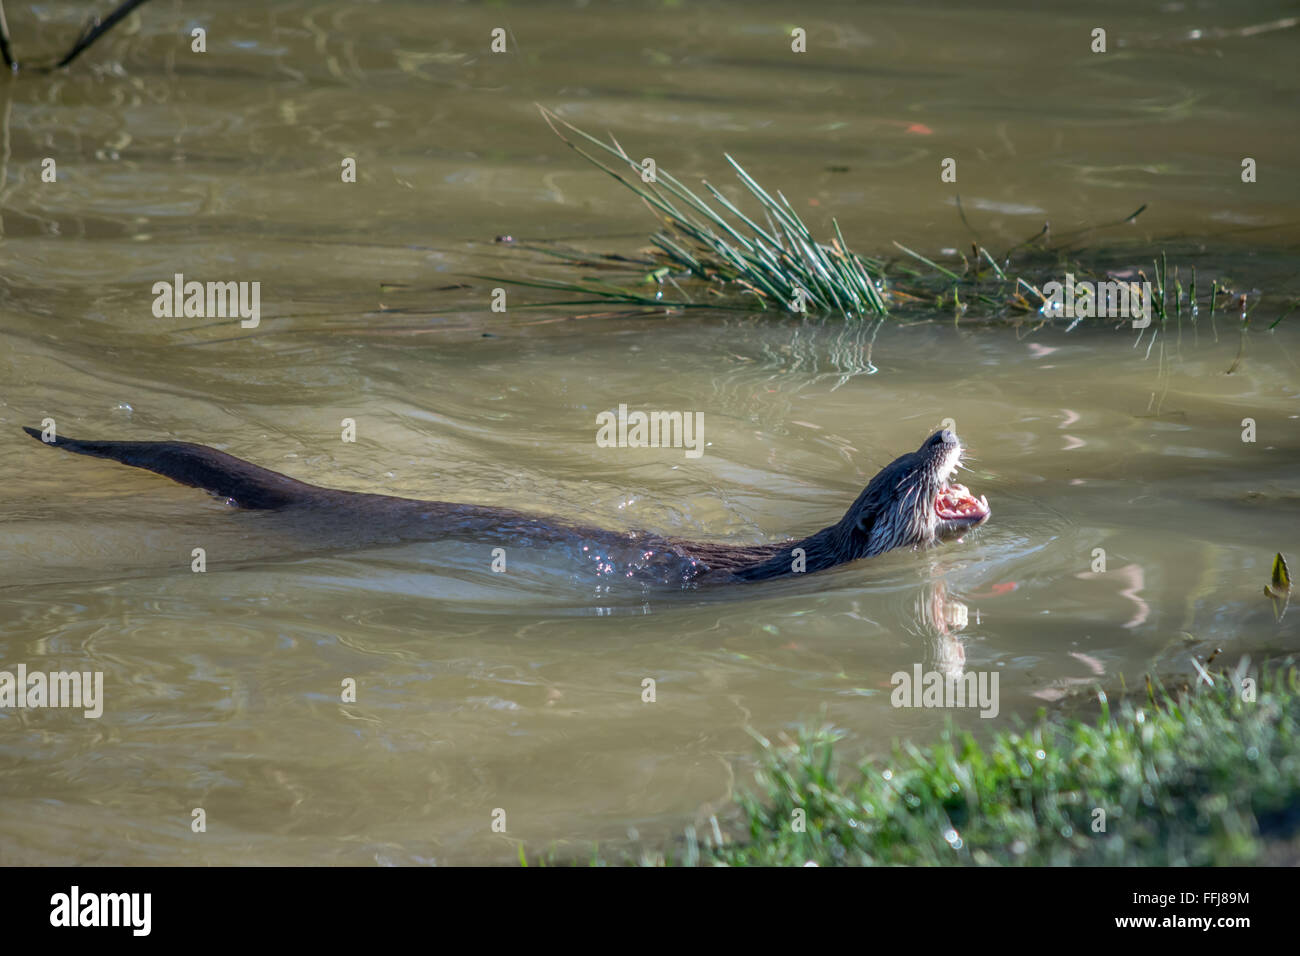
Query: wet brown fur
pixel 895 510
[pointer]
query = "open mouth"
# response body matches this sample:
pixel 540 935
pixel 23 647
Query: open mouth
pixel 954 502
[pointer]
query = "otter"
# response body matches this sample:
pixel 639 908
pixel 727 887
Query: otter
pixel 911 502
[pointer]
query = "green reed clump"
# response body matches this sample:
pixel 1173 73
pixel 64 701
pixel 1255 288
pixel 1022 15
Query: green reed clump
pixel 763 259
pixel 776 261
pixel 767 258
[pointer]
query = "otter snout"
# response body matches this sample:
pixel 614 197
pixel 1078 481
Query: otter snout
pixel 955 509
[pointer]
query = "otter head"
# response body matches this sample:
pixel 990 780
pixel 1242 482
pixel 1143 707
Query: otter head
pixel 913 502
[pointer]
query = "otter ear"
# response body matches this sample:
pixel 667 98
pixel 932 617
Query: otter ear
pixel 865 523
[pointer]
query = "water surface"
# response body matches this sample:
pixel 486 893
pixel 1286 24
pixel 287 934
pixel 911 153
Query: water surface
pixel 523 690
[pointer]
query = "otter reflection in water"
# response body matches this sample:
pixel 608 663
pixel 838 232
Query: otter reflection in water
pixel 912 502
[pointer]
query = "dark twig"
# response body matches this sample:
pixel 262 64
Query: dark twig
pixel 5 49
pixel 96 28
pixel 92 31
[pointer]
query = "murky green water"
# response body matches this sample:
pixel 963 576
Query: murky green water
pixel 523 691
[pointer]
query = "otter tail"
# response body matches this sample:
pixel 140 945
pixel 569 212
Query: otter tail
pixel 199 466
